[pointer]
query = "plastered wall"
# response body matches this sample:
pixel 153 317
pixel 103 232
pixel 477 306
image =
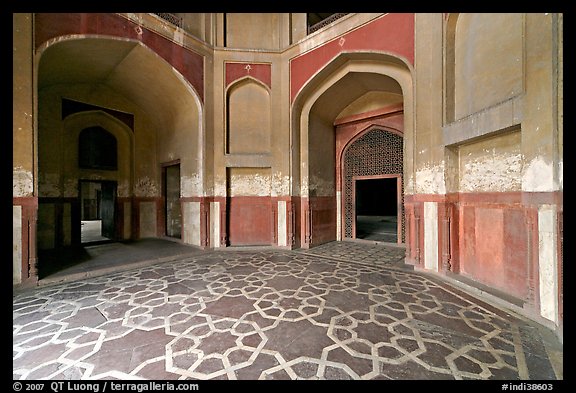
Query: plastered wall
pixel 255 30
pixel 23 107
pixel 485 152
pixel 492 164
pixel 488 60
pixel 248 118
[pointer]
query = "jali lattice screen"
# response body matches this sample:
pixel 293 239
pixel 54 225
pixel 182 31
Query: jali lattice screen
pixel 377 152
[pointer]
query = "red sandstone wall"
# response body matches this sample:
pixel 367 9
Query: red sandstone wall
pixel 317 220
pixel 494 243
pixel 491 238
pixel 29 207
pixel 297 225
pixel 323 225
pixel 262 72
pixel 251 221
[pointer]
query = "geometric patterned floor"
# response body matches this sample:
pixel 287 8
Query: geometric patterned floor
pixel 251 315
pixel 364 252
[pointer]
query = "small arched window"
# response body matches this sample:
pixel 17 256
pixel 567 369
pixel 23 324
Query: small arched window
pixel 97 149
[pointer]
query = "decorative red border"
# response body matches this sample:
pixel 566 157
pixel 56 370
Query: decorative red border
pixel 261 72
pixel 51 25
pixel 391 33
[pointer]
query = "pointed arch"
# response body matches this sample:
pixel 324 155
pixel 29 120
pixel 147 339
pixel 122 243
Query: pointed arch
pixel 345 63
pixel 248 117
pixel 125 75
pixel 131 69
pixel 385 146
pixel 341 81
pixel 74 125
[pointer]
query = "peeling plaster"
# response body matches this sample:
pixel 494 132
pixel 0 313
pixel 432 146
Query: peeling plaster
pixel 304 188
pixel 494 173
pixel 430 180
pixel 561 174
pixel 220 189
pixel 251 185
pixel 22 182
pixel 178 37
pixel 49 185
pixel 71 188
pixel 409 185
pixel 321 187
pixel 280 185
pixel 538 176
pixel 123 189
pixel 191 186
pixel 146 187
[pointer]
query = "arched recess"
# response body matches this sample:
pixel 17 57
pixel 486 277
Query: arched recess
pixel 374 154
pixel 59 217
pixel 117 226
pixel 117 75
pixel 450 34
pixel 248 118
pixel 74 124
pixel 374 71
pixel 248 189
pixel 472 83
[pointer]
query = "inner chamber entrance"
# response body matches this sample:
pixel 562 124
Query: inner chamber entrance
pixel 372 172
pixel 376 209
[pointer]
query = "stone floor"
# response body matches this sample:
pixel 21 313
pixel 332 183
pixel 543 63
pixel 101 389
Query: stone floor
pixel 363 252
pixel 91 231
pixel 96 259
pixel 377 228
pixel 268 314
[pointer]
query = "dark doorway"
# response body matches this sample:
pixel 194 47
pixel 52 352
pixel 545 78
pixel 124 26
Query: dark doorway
pixel 377 208
pixel 172 208
pixel 97 211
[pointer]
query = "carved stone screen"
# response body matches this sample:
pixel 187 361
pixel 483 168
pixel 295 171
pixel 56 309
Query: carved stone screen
pixel 377 152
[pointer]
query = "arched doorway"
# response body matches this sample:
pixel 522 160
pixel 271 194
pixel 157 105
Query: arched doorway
pixel 98 93
pixel 97 150
pixel 349 95
pixel 373 187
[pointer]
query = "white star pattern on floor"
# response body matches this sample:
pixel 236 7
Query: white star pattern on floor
pixel 269 315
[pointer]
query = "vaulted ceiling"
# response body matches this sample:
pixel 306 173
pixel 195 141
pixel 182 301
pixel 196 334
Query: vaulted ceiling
pixel 126 67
